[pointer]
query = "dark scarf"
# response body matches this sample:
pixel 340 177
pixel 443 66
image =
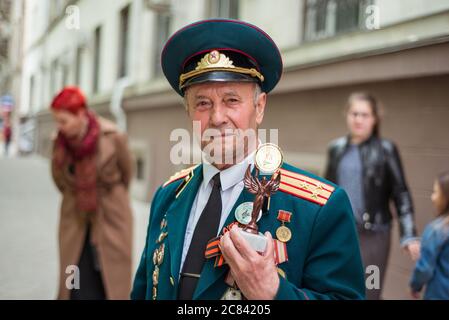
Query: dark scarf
pixel 82 155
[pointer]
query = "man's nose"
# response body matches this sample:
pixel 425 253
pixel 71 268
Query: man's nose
pixel 218 115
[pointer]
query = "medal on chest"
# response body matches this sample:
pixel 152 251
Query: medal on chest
pixel 283 233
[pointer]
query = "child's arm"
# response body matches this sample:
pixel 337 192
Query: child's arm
pixel 432 241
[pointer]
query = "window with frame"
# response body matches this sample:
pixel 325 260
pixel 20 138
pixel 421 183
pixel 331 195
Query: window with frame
pixel 43 86
pixel 53 77
pixel 56 8
pixel 96 59
pixel 78 65
pixel 123 42
pixel 32 94
pixel 328 18
pixel 224 9
pixel 162 33
pixel 64 74
pixel 4 44
pixel 140 168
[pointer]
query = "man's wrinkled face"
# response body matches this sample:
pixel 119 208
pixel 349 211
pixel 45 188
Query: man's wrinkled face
pixel 225 110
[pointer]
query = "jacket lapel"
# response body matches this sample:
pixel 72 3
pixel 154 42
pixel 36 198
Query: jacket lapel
pixel 177 217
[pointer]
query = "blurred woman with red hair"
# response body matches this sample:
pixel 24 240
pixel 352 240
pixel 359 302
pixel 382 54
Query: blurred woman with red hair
pixel 91 166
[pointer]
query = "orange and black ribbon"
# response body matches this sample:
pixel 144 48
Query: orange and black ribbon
pixel 212 248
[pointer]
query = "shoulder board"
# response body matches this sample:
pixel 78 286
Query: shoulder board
pixel 305 187
pixel 179 175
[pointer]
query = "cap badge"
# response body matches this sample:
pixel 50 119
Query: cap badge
pixel 214 59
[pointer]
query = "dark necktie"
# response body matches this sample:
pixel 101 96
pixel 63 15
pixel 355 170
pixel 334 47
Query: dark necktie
pixel 206 229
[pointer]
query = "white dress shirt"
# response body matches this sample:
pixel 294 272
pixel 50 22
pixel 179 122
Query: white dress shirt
pixel 231 180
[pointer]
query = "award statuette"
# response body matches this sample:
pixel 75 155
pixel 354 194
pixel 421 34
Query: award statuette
pixel 268 160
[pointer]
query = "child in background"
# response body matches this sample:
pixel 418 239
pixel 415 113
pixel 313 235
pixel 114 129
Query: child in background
pixel 432 268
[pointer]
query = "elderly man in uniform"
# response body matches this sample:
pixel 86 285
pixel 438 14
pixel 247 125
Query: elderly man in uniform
pixel 195 246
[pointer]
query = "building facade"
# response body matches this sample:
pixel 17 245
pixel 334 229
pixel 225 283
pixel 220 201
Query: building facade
pixel 395 49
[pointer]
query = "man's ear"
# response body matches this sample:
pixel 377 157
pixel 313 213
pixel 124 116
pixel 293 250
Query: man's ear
pixel 260 107
pixel 186 102
pixel 186 108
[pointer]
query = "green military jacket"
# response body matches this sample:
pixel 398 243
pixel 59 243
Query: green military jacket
pixel 323 253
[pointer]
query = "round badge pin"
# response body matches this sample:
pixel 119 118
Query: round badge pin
pixel 243 213
pixel 268 158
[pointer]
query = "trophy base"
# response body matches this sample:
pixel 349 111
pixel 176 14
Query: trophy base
pixel 257 241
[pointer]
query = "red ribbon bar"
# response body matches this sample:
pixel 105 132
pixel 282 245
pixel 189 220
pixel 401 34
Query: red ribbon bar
pixel 280 251
pixel 284 216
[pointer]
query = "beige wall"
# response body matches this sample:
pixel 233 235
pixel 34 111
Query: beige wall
pixel 416 118
pixel 149 132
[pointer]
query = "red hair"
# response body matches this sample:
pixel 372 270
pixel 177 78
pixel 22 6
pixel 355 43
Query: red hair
pixel 70 99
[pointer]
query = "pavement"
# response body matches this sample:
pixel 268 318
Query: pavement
pixel 29 215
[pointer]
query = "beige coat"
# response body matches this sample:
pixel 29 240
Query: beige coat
pixel 111 225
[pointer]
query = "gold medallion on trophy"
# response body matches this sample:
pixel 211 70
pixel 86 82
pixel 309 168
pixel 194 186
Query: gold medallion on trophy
pixel 268 158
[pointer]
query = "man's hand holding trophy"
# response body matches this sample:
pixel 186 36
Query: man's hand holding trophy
pixel 268 160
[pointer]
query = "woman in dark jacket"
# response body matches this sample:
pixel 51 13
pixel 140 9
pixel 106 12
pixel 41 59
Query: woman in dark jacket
pixel 369 168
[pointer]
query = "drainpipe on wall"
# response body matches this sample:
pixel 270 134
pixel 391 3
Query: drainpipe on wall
pixel 116 102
